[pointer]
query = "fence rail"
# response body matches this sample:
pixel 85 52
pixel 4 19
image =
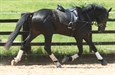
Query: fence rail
pixel 54 43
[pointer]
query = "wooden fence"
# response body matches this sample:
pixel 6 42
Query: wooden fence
pixel 25 32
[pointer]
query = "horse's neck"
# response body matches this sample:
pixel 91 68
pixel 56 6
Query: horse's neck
pixel 89 16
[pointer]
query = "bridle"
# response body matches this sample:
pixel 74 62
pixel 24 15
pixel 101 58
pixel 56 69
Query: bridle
pixel 91 23
pixel 102 24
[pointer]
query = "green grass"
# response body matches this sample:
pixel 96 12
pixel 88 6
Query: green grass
pixel 14 7
pixel 11 9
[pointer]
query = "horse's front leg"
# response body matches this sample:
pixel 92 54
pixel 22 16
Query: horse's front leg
pixel 47 47
pixel 87 38
pixel 75 56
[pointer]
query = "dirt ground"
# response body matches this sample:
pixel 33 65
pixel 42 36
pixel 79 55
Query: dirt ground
pixel 46 67
pixel 80 69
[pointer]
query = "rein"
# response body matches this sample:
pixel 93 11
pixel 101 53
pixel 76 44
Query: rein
pixel 91 23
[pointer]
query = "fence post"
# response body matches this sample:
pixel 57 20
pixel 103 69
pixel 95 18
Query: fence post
pixel 90 34
pixel 24 36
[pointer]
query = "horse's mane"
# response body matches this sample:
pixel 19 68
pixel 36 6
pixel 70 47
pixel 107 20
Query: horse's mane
pixel 92 7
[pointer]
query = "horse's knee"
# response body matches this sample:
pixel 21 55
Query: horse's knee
pixel 92 47
pixel 48 49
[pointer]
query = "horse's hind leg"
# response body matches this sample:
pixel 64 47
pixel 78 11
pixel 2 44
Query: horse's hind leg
pixel 48 39
pixel 24 46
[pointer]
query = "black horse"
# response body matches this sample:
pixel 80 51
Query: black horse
pixel 47 22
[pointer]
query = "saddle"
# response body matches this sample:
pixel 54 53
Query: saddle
pixel 72 15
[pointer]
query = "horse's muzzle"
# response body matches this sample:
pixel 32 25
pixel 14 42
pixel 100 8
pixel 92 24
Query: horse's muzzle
pixel 101 29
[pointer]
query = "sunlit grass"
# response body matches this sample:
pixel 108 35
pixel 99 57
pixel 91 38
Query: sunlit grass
pixel 12 9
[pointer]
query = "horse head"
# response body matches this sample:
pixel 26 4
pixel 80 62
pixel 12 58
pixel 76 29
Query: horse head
pixel 95 12
pixel 102 20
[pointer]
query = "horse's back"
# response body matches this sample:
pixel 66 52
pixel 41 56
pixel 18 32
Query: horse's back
pixel 42 13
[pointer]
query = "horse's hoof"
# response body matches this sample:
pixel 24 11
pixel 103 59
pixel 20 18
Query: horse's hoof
pixel 103 62
pixel 65 59
pixel 59 66
pixel 13 62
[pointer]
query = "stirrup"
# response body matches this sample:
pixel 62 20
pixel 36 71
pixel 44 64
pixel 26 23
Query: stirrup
pixel 70 25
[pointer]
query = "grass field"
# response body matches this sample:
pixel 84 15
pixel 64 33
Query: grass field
pixel 11 9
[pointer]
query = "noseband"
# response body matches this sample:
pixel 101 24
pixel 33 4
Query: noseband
pixel 100 25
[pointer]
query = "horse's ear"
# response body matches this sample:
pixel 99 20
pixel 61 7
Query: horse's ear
pixel 109 10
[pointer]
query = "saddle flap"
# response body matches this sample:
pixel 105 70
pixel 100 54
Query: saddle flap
pixel 72 14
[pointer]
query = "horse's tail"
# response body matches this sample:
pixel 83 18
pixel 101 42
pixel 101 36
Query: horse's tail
pixel 24 18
